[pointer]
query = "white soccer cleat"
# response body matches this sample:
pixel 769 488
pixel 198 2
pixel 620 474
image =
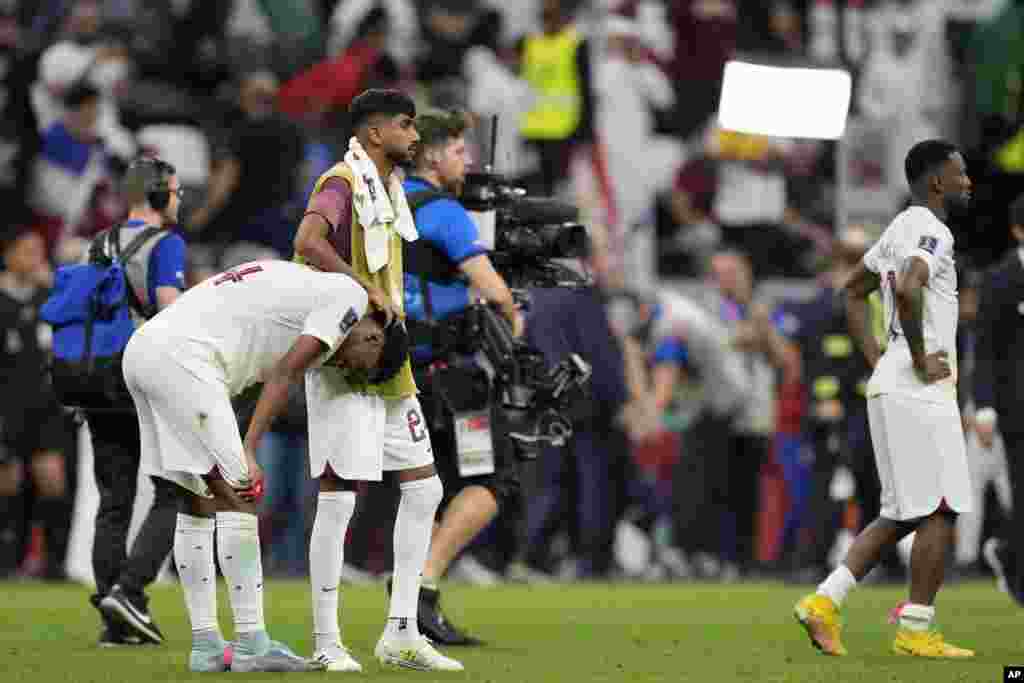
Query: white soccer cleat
pixel 418 654
pixel 337 658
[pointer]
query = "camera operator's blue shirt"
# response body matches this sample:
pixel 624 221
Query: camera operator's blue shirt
pixel 446 225
pixel 166 262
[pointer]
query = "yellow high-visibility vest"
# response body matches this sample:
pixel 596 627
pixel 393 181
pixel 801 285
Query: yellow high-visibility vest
pixel 389 278
pixel 549 66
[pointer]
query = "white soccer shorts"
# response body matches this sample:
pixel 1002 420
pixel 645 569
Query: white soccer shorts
pixel 186 423
pixel 921 458
pixel 359 435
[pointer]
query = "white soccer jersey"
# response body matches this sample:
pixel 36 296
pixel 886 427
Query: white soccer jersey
pixel 916 232
pixel 241 322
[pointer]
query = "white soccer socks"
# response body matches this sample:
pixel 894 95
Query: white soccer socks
pixel 413 525
pixel 326 554
pixel 193 554
pixel 916 617
pixel 238 549
pixel 840 582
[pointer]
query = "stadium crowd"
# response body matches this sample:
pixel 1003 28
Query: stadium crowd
pixel 750 456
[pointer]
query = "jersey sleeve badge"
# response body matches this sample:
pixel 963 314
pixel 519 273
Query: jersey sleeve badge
pixel 350 319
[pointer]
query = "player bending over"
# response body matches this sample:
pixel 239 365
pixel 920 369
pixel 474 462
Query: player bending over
pixel 265 322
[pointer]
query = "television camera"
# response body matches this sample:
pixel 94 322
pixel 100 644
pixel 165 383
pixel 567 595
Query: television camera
pixel 532 242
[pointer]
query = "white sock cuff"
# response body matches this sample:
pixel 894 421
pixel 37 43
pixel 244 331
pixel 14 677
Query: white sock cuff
pixel 847 575
pixel 192 523
pixel 237 520
pixel 433 481
pixel 924 612
pixel 341 496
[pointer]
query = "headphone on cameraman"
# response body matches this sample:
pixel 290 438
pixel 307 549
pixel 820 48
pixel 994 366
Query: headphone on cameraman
pixel 156 180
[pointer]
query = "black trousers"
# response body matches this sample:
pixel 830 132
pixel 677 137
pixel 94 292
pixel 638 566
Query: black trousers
pixel 700 485
pixel 116 453
pixel 823 512
pixel 1014 442
pixel 716 492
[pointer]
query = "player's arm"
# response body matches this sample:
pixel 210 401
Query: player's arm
pixel 274 397
pixel 327 210
pixel 909 297
pixel 858 311
pixel 486 280
pixel 330 210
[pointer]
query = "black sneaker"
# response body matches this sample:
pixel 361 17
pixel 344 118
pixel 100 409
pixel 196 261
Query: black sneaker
pixel 113 634
pixel 131 614
pixel 110 637
pixel 434 625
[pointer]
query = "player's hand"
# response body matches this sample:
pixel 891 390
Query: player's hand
pixel 986 432
pixel 382 302
pixel 932 367
pixel 254 491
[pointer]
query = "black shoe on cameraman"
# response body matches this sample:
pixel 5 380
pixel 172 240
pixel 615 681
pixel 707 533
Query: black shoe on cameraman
pixel 113 633
pixel 433 624
pixel 131 613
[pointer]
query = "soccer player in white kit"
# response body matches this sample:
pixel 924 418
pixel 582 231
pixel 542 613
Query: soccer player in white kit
pixel 269 322
pixel 912 408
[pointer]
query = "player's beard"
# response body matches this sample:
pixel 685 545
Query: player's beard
pixel 401 156
pixel 957 204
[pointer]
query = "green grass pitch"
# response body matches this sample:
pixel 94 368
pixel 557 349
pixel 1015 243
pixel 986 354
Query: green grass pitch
pixel 582 632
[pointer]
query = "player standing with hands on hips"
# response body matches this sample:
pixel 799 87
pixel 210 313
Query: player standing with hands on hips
pixel 912 408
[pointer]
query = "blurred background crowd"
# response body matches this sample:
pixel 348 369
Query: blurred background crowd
pixel 742 238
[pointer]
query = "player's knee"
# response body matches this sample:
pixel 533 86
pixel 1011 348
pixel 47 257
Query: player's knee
pixel 427 492
pixel 48 474
pixel 11 477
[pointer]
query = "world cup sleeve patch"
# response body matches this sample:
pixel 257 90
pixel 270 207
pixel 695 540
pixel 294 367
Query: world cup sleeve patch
pixel 350 319
pixel 929 244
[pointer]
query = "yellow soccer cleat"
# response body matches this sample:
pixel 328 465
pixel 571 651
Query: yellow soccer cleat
pixel 927 644
pixel 820 618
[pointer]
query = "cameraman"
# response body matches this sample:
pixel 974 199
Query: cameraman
pixel 447 255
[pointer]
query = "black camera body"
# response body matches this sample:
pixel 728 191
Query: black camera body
pixel 538 402
pixel 530 233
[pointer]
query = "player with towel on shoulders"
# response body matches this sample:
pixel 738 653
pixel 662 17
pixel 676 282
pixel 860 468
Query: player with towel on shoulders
pixel 355 222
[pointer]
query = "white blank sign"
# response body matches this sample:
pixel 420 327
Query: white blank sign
pixel 784 102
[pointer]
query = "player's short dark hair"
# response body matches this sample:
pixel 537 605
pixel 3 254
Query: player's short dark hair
pixel 1017 211
pixel 379 101
pixel 395 351
pixel 925 157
